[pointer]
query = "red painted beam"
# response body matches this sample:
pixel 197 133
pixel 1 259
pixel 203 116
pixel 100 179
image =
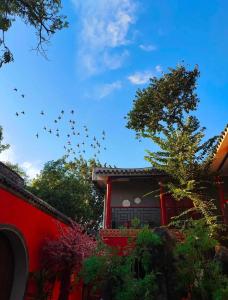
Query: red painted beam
pixel 163 205
pixel 108 213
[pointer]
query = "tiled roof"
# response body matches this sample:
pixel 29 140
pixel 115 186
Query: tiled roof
pixel 10 174
pixel 13 182
pixel 126 171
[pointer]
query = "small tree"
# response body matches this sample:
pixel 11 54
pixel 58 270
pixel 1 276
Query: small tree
pixel 68 187
pixel 163 112
pixel 64 256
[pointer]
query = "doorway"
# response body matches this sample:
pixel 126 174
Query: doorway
pixel 6 267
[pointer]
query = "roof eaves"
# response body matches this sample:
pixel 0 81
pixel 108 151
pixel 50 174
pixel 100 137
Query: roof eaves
pixel 221 139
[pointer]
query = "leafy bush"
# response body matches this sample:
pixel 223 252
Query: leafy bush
pixel 159 268
pixel 124 277
pixel 64 256
pixel 197 270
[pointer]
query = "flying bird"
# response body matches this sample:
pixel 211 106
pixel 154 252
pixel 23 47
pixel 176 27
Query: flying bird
pixel 42 112
pixel 45 128
pixel 17 114
pixel 15 89
pixel 37 135
pixel 49 131
pixel 22 95
pixel 23 112
pixel 62 112
pixel 72 111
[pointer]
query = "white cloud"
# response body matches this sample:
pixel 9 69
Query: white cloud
pixel 104 27
pixel 8 155
pixel 148 48
pixel 140 77
pixel 158 69
pixel 115 61
pixel 143 77
pixel 107 89
pixel 30 169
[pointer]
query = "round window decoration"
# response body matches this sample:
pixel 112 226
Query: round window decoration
pixel 126 203
pixel 137 200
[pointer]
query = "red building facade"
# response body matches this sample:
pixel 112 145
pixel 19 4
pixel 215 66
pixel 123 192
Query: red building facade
pixel 25 223
pixel 139 193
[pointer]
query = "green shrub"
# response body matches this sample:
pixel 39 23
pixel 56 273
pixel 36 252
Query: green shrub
pixel 157 268
pixel 147 238
pixel 197 271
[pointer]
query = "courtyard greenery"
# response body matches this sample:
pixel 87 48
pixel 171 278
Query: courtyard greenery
pixel 156 266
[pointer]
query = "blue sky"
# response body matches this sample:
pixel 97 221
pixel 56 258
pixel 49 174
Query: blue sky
pixel 95 66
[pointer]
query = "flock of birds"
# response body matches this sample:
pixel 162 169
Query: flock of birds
pixel 77 141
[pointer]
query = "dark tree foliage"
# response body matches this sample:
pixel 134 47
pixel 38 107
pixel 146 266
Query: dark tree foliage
pixel 165 100
pixel 68 187
pixel 163 112
pixel 43 15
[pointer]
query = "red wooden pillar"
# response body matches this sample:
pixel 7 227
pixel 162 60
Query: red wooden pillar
pixel 108 213
pixel 163 205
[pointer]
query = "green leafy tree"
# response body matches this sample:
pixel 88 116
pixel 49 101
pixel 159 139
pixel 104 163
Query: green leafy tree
pixel 2 146
pixel 197 270
pixel 163 112
pixel 18 169
pixel 68 187
pixel 43 15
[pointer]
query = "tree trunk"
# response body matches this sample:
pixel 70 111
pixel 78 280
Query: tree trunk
pixel 65 285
